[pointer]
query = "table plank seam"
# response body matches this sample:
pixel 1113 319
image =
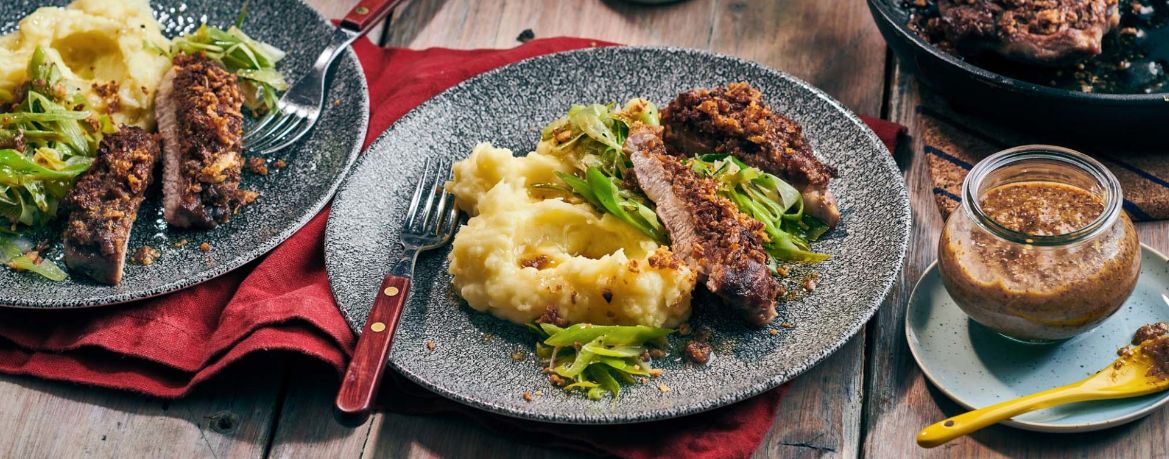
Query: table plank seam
pixel 278 410
pixel 871 334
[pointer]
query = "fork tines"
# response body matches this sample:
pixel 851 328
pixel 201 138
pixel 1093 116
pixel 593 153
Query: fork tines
pixel 432 210
pixel 278 129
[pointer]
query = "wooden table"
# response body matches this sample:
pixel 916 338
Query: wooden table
pixel 868 399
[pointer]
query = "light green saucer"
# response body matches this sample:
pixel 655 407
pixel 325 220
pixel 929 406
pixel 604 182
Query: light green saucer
pixel 977 367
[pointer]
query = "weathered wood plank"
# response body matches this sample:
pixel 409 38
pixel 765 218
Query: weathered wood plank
pixel 833 45
pixel 497 23
pixel 396 435
pixel 231 416
pixel 820 414
pixel 901 401
pixel 306 427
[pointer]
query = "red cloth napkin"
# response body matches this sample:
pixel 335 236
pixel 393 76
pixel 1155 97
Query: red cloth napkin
pixel 166 346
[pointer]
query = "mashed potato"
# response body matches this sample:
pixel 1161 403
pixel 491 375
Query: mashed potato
pixel 107 50
pixel 524 252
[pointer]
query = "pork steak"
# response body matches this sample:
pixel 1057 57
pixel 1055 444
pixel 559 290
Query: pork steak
pixel 734 120
pixel 707 231
pixel 103 205
pixel 198 107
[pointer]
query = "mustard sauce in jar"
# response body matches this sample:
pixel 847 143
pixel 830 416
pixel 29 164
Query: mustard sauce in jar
pixel 1040 249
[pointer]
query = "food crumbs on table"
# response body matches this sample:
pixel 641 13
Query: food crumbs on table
pixel 773 332
pixel 684 329
pixel 525 36
pixel 556 380
pixel 145 256
pixel 280 164
pixel 337 103
pixel 787 325
pixel 257 165
pixel 182 243
pixel 539 393
pixel 782 271
pixel 205 247
pixel 663 387
pixel 518 355
pixel 430 345
pixel 527 395
pixel 655 372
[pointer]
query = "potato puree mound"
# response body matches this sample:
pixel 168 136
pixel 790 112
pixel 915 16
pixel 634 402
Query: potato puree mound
pixel 524 252
pixel 107 50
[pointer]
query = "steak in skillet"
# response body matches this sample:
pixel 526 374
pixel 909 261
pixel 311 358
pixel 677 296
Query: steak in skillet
pixel 104 203
pixel 707 231
pixel 1037 31
pixel 734 120
pixel 199 118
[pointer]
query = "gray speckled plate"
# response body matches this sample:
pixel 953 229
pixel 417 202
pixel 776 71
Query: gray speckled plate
pixel 472 359
pixel 290 197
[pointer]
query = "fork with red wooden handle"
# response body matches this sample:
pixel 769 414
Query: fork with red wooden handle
pixel 299 109
pixel 431 220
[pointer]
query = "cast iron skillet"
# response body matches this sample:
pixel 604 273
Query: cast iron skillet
pixel 1128 118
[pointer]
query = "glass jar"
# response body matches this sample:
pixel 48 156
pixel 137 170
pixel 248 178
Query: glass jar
pixel 1040 249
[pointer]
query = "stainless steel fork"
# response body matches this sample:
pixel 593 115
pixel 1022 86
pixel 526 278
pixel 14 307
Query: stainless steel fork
pixel 431 221
pixel 298 110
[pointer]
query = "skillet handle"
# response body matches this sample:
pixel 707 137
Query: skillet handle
pixel 368 13
pixel 362 379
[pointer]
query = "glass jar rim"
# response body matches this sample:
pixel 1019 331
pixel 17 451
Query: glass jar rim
pixel 1113 196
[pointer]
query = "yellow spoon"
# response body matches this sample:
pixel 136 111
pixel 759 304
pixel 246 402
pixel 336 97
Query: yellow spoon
pixel 1127 377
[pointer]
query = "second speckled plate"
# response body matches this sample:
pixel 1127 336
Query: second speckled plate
pixel 290 197
pixel 471 360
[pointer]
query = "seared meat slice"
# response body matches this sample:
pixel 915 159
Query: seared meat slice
pixel 199 119
pixel 734 120
pixel 1036 31
pixel 103 205
pixel 707 231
